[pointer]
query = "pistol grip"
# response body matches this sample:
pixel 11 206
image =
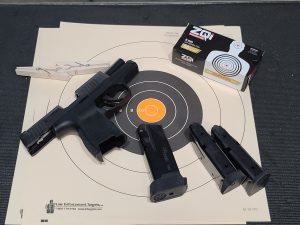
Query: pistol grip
pixel 99 135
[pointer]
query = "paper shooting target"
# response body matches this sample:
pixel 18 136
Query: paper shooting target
pixel 162 93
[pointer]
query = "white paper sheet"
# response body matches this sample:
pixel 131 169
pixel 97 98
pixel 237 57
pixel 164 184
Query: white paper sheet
pixel 50 182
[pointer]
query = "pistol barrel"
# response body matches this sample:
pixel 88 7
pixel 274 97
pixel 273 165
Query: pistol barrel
pixel 125 73
pixel 119 63
pixel 36 137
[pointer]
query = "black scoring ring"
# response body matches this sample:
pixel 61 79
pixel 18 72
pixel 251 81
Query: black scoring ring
pixel 182 104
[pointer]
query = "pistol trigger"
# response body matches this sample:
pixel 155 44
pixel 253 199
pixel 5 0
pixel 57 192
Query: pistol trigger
pixel 119 98
pixel 111 102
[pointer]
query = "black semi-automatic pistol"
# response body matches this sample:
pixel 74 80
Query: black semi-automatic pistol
pixel 97 100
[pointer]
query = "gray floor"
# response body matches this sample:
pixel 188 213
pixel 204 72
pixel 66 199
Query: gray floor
pixel 275 90
pixel 141 2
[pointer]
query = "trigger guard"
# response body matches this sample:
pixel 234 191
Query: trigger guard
pixel 116 104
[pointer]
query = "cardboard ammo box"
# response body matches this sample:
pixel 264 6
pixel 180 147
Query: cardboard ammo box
pixel 217 57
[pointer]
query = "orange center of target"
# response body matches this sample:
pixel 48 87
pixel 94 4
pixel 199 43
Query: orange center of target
pixel 151 110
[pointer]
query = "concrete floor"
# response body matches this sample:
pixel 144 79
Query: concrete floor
pixel 107 2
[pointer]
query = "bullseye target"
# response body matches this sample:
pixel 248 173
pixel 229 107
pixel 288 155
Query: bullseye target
pixel 151 110
pixel 227 65
pixel 159 98
pixel 165 94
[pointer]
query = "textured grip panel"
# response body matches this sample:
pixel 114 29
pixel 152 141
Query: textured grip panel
pixel 88 87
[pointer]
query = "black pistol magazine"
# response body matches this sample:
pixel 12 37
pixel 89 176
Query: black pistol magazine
pixel 168 182
pixel 256 177
pixel 215 161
